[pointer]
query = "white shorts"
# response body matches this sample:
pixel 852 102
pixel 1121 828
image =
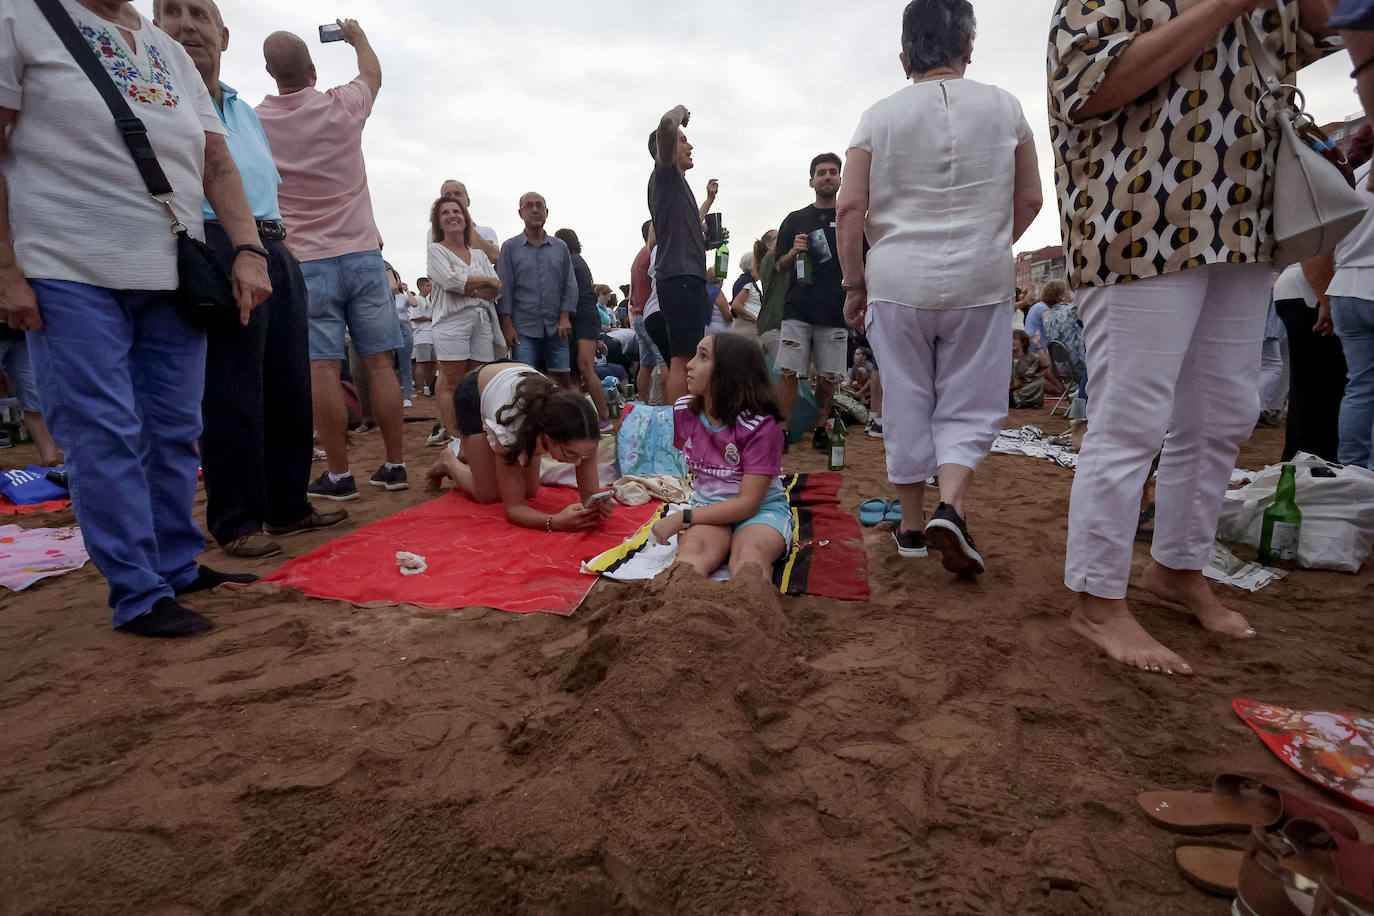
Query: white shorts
pixel 464 336
pixel 802 342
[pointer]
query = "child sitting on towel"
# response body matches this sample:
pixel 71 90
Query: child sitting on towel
pixel 728 430
pixel 509 416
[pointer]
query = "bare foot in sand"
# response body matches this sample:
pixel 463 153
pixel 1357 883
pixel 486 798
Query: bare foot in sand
pixel 1107 623
pixel 1189 588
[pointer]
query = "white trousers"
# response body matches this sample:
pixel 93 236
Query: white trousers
pixel 945 377
pixel 1175 360
pixel 1273 385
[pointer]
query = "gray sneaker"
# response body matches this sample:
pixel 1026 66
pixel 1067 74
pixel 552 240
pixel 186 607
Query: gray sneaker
pixel 325 488
pixel 437 436
pixel 390 478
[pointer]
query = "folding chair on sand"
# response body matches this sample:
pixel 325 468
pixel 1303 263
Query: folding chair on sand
pixel 1062 364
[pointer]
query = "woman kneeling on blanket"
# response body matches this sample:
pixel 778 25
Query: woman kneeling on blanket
pixel 727 427
pixel 508 417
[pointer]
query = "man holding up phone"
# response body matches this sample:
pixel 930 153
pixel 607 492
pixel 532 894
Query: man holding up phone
pixel 316 139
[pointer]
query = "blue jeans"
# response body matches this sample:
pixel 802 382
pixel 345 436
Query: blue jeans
pixel 403 356
pixel 350 293
pixel 121 374
pixel 1354 321
pixel 14 359
pixel 553 350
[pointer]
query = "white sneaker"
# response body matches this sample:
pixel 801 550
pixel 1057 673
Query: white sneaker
pixel 874 428
pixel 406 403
pixel 437 436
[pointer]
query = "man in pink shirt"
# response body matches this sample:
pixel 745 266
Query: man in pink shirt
pixel 316 140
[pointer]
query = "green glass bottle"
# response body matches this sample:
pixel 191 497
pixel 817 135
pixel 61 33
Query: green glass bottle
pixel 1282 523
pixel 722 262
pixel 805 269
pixel 836 445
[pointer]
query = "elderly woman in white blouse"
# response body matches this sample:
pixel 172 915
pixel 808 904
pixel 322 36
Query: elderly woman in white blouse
pixel 936 308
pixel 464 282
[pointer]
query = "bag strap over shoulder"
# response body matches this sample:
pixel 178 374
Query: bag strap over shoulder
pixel 1266 65
pixel 131 128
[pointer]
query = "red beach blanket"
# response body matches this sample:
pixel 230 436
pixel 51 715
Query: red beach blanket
pixel 1333 749
pixel 476 558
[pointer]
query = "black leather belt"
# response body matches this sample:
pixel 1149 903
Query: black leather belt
pixel 269 230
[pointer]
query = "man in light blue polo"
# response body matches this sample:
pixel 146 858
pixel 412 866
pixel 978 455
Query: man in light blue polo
pixel 257 443
pixel 539 294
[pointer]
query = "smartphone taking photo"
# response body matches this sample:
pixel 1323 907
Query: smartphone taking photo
pixel 598 498
pixel 331 32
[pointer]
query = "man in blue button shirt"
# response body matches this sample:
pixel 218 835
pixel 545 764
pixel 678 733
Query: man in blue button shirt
pixel 258 440
pixel 539 294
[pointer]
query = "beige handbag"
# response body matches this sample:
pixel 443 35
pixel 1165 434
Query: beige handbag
pixel 1315 203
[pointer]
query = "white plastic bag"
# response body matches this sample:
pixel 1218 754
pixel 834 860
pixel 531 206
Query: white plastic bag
pixel 1337 512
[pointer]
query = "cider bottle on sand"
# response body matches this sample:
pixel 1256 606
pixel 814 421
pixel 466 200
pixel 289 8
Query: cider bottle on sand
pixel 1282 523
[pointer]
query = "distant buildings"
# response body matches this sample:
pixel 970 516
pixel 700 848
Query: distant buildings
pixel 1036 268
pixel 1341 132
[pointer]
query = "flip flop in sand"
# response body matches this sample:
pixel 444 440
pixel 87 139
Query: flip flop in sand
pixel 1235 804
pixel 894 512
pixel 872 511
pixel 1214 869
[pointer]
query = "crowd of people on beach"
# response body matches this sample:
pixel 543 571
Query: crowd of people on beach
pixel 895 283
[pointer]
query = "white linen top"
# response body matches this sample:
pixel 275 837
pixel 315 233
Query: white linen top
pixel 1355 254
pixel 940 194
pixel 449 276
pixel 78 209
pixel 500 393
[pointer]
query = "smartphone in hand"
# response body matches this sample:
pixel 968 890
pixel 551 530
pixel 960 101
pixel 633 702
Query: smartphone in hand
pixel 331 32
pixel 598 498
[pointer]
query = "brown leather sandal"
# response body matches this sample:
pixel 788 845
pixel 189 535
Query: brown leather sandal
pixel 1236 804
pixel 1283 871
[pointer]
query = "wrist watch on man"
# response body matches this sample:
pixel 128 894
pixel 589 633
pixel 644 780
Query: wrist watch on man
pixel 256 249
pixel 686 518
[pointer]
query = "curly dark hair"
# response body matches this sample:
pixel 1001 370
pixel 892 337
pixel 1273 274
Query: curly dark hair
pixel 739 381
pixel 434 219
pixel 564 416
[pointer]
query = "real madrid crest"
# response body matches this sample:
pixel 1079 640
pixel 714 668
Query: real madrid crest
pixel 732 455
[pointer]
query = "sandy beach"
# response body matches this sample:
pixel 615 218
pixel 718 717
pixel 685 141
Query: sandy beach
pixel 679 746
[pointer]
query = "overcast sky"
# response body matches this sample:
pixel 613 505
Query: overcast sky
pixel 559 97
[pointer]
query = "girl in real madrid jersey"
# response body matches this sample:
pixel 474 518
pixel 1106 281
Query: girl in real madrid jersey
pixel 727 427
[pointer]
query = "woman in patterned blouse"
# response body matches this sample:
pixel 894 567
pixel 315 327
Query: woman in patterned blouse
pixel 1163 173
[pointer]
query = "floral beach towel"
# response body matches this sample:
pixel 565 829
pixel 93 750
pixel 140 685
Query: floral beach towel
pixel 30 554
pixel 1333 749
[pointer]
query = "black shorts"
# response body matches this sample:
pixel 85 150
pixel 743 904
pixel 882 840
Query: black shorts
pixel 467 401
pixel 467 405
pixel 586 324
pixel 685 309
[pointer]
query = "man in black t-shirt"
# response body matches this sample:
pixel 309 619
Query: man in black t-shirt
pixel 813 329
pixel 680 268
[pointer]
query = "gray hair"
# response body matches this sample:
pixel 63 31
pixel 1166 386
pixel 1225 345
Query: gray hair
pixel 935 33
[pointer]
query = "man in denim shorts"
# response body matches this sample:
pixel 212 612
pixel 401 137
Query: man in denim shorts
pixel 316 140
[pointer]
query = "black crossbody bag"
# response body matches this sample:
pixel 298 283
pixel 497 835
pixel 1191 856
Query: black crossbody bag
pixel 205 293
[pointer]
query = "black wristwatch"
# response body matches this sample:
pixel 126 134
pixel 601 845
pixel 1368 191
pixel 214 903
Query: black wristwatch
pixel 256 249
pixel 686 518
